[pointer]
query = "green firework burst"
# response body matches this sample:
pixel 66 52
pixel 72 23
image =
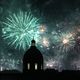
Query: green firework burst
pixel 20 28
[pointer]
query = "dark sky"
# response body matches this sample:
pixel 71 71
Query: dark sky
pixel 56 8
pixel 49 8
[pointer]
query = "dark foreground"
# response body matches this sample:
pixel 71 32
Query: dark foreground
pixel 40 75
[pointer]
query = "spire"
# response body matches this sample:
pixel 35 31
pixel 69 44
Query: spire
pixel 33 37
pixel 33 42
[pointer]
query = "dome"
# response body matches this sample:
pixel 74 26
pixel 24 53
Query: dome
pixel 33 59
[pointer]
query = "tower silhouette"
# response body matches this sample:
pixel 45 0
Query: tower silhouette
pixel 33 59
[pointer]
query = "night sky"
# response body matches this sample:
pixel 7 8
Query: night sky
pixel 58 32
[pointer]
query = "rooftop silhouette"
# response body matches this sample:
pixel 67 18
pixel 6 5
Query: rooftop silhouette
pixel 33 59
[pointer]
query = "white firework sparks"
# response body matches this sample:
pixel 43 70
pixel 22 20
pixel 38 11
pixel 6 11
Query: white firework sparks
pixel 42 28
pixel 66 42
pixel 53 64
pixel 63 41
pixel 45 42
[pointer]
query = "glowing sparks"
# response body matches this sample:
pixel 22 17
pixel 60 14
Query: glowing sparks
pixel 20 28
pixel 45 42
pixel 50 63
pixel 53 64
pixel 42 28
pixel 65 41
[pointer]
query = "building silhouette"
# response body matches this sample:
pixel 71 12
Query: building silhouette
pixel 33 59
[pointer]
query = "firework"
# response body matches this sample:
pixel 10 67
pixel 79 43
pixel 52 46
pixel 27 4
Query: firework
pixel 20 28
pixel 42 28
pixel 45 42
pixel 50 63
pixel 66 42
pixel 63 41
pixel 53 64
